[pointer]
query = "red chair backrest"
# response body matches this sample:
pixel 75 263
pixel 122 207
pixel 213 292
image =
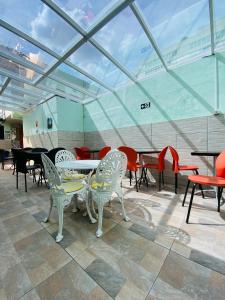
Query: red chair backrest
pixel 161 158
pixel 175 159
pixel 86 150
pixel 102 153
pixel 220 165
pixel 131 157
pixel 82 153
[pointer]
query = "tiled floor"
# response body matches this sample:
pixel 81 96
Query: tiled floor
pixel 155 256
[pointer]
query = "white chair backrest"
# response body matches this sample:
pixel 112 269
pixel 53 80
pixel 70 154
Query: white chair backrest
pixel 112 168
pixel 50 172
pixel 63 155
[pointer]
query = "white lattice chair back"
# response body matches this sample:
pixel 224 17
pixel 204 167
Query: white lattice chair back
pixel 50 172
pixel 111 170
pixel 64 155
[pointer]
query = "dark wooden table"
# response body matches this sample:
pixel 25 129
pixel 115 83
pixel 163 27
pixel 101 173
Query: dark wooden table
pixel 214 154
pixel 140 152
pixel 206 153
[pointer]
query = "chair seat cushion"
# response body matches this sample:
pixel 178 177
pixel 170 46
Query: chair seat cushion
pixel 95 185
pixel 188 168
pixel 74 177
pixel 207 180
pixel 70 187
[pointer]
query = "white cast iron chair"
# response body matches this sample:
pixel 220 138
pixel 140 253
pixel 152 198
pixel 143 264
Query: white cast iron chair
pixel 61 193
pixel 107 181
pixel 67 174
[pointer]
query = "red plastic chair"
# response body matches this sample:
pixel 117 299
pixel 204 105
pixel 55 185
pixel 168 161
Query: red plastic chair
pixel 82 153
pixel 159 166
pixel 177 168
pixel 102 153
pixel 216 181
pixel 132 164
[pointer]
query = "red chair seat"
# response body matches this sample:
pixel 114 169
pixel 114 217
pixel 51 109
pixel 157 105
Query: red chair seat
pixel 188 168
pixel 207 180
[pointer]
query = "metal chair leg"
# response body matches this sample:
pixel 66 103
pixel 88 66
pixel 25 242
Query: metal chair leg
pixel 190 203
pixel 200 186
pixel 176 182
pixel 219 194
pixel 135 174
pixel 130 177
pixel 159 181
pixel 186 191
pixel 17 180
pixel 162 177
pixel 25 179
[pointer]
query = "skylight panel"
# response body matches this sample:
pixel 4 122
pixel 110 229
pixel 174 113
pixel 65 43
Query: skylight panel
pixel 180 28
pixel 124 38
pixel 92 61
pixel 37 20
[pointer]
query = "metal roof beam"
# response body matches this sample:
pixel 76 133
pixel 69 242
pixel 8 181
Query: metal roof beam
pixel 5 84
pixel 212 32
pixel 147 31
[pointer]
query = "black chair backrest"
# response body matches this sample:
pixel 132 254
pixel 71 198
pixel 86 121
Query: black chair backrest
pixel 51 154
pixel 27 149
pixel 20 160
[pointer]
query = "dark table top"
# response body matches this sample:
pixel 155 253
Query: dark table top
pixel 147 151
pixel 206 153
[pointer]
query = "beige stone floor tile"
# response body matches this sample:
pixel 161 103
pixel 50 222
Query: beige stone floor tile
pixel 130 292
pixel 84 259
pixel 32 295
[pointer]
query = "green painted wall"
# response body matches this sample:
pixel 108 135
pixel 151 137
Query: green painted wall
pixel 70 115
pixel 66 115
pixel 188 91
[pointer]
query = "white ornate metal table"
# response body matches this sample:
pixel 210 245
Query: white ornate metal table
pixel 88 164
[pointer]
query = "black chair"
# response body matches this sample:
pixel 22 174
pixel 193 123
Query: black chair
pixel 21 159
pixel 51 154
pixel 27 149
pixel 38 161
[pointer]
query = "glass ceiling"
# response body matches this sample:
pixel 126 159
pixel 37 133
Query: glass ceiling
pixel 82 49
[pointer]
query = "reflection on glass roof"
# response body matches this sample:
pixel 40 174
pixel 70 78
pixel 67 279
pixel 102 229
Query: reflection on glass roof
pixel 180 28
pixel 17 70
pixel 14 45
pixel 37 20
pixel 88 58
pixel 27 87
pixel 59 87
pixel 19 95
pixel 72 76
pixel 85 12
pixel 131 42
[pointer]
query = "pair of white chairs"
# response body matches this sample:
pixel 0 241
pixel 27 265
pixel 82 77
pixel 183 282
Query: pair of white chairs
pixel 100 187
